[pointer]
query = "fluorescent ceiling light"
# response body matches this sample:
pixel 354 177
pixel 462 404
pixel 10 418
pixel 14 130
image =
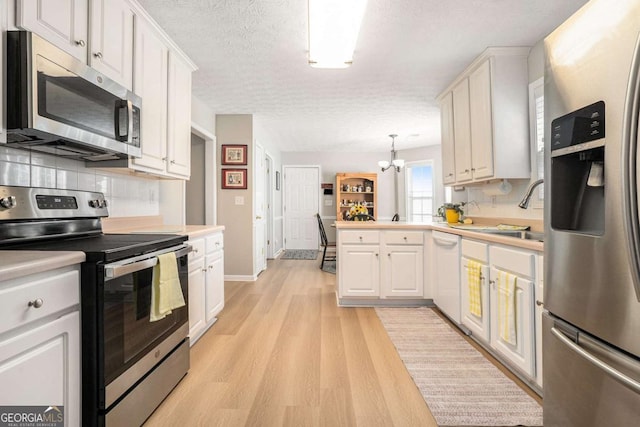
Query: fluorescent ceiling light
pixel 333 31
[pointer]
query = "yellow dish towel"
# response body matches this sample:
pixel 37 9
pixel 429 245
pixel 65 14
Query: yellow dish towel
pixel 507 307
pixel 166 292
pixel 474 277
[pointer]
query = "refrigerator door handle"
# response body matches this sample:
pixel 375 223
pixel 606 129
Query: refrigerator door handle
pixel 630 173
pixel 611 371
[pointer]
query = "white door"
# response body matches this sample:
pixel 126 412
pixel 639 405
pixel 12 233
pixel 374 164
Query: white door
pixel 259 222
pixel 268 190
pixel 301 195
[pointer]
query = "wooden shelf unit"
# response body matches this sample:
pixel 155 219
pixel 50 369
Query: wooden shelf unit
pixel 345 199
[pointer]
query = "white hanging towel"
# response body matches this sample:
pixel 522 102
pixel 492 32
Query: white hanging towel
pixel 507 307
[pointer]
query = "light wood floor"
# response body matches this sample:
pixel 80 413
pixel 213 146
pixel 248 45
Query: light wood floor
pixel 283 353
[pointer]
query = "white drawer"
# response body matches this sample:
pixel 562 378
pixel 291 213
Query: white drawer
pixel 56 293
pixel 360 236
pixel 519 262
pixel 198 249
pixel 404 237
pixel 475 250
pixel 214 242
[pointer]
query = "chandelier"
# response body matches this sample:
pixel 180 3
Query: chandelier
pixel 397 164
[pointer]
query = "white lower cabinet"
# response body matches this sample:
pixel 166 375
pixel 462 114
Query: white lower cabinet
pixel 359 270
pixel 206 283
pixel 521 352
pixel 524 350
pixel 197 323
pixel 215 282
pixel 40 347
pixel 539 310
pixel 381 264
pixel 478 323
pixel 402 264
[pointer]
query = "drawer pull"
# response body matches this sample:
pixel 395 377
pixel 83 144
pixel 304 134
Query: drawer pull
pixel 80 43
pixel 405 238
pixel 360 238
pixel 195 250
pixel 37 303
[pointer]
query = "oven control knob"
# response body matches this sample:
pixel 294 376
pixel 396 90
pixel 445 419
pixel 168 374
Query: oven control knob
pixel 103 203
pixel 94 203
pixel 8 202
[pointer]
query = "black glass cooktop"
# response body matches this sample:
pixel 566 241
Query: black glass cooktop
pixel 106 247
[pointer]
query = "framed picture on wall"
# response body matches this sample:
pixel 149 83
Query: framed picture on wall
pixel 234 154
pixel 234 179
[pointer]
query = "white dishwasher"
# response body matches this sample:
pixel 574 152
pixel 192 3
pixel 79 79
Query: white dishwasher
pixel 446 273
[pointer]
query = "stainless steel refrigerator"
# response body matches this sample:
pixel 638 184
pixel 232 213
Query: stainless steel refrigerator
pixel 591 333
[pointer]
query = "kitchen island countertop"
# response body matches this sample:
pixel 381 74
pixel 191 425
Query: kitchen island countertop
pixel 441 226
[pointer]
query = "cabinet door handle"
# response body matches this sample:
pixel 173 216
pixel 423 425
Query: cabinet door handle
pixel 80 43
pixel 98 55
pixel 360 238
pixel 376 255
pixel 164 159
pixel 450 174
pixel 195 250
pixel 389 254
pixel 466 170
pixel 539 303
pixel 204 270
pixel 36 303
pixel 173 162
pixel 473 169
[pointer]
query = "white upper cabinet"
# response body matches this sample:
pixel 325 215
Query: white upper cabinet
pixel 448 152
pixel 97 32
pixel 150 83
pixel 462 131
pixel 111 41
pixel 481 122
pixel 179 117
pixel 490 117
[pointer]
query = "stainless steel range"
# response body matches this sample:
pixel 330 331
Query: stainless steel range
pixel 129 363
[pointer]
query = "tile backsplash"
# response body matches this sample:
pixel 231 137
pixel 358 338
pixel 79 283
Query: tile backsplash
pixel 505 206
pixel 127 195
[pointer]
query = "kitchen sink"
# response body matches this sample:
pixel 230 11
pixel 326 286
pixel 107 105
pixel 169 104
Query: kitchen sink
pixel 526 235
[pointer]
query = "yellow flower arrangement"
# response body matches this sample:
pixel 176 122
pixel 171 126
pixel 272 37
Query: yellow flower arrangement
pixel 357 210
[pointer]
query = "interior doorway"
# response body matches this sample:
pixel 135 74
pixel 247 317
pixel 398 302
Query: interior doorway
pixel 200 190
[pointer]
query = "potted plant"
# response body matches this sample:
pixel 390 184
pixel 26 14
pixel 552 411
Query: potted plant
pixel 452 212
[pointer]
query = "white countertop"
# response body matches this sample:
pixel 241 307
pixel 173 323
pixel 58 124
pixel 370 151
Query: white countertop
pixel 400 225
pixel 15 264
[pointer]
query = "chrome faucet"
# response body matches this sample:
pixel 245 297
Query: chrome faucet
pixel 524 203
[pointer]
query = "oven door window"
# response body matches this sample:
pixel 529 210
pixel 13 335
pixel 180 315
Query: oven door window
pixel 70 99
pixel 128 332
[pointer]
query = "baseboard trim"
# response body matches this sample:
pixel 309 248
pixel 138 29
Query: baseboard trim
pixel 378 302
pixel 240 278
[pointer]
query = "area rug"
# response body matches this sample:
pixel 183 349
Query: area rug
pixel 329 267
pixel 460 386
pixel 300 254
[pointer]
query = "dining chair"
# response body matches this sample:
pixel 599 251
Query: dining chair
pixel 331 247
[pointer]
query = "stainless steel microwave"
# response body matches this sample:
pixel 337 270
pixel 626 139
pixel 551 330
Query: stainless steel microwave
pixel 58 105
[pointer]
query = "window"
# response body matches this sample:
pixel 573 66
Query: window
pixel 419 180
pixel 536 108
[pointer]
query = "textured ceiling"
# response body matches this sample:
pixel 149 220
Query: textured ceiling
pixel 252 59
